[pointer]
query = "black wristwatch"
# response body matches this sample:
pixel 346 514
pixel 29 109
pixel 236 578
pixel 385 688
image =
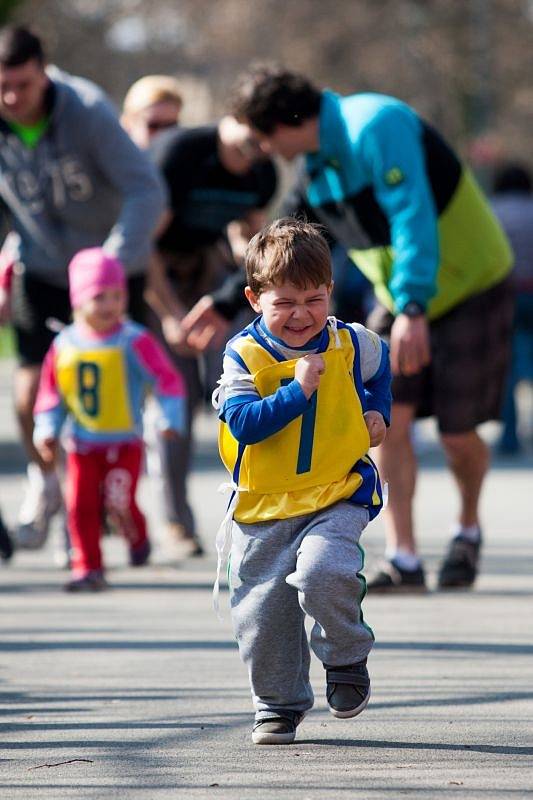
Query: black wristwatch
pixel 413 309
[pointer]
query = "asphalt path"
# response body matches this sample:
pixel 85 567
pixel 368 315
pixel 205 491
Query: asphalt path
pixel 139 692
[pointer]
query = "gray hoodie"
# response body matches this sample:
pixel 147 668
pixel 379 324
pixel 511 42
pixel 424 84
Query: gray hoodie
pixel 85 184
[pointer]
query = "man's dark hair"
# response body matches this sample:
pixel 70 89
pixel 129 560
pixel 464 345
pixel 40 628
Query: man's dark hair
pixel 19 45
pixel 512 177
pixel 267 96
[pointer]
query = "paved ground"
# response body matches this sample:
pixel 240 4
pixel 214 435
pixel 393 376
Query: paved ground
pixel 139 692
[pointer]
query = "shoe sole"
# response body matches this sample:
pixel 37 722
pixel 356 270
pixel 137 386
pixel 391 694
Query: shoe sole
pixel 85 589
pixel 451 586
pixel 272 738
pixel 352 712
pixel 399 590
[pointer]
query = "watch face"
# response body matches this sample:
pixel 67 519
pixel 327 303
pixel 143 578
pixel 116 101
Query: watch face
pixel 412 309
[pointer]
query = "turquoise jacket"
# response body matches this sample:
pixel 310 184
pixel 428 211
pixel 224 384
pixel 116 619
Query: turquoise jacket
pixel 412 217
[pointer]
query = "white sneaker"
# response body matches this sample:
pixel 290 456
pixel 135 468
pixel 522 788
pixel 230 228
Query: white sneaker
pixel 42 500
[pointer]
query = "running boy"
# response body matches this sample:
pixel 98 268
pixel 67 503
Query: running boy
pixel 302 398
pixel 95 373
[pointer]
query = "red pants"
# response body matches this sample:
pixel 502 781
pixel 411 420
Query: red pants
pixel 102 480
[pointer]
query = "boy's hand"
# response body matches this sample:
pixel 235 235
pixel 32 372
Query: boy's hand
pixel 47 449
pixel 172 330
pixel 377 430
pixel 175 336
pixel 308 371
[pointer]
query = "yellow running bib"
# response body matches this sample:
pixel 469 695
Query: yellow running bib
pixel 93 384
pixel 308 464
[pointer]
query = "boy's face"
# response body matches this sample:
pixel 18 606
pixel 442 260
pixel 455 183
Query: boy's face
pixel 293 315
pixel 105 310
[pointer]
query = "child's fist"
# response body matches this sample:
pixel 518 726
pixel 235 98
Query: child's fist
pixel 308 371
pixel 377 430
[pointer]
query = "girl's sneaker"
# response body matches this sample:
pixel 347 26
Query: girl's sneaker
pixel 140 555
pixel 92 581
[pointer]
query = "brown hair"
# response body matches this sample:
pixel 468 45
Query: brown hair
pixel 288 251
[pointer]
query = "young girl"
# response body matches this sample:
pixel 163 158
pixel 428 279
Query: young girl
pixel 95 374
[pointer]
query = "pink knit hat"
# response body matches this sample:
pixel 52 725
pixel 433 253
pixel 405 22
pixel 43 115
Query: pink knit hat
pixel 90 272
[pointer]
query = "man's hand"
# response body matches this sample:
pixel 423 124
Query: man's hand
pixel 175 336
pixel 172 331
pixel 308 371
pixel 377 430
pixel 204 327
pixel 170 434
pixel 409 345
pixel 5 306
pixel 47 449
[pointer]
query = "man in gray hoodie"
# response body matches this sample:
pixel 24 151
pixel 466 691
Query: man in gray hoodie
pixel 70 178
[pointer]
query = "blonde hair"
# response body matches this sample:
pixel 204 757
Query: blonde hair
pixel 150 90
pixel 288 251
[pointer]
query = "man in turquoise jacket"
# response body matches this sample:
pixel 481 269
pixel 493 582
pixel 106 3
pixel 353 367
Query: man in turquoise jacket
pixel 413 218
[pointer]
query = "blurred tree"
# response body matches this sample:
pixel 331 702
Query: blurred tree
pixel 6 10
pixel 465 66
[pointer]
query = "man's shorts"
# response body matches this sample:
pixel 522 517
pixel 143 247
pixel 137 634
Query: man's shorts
pixel 470 350
pixel 38 310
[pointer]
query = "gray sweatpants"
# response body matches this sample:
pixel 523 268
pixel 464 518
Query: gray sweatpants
pixel 279 572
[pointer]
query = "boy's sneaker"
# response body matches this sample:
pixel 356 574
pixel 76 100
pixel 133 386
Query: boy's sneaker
pixel 460 566
pixel 276 728
pixel 92 581
pixel 6 545
pixel 347 689
pixel 41 501
pixel 140 555
pixel 391 578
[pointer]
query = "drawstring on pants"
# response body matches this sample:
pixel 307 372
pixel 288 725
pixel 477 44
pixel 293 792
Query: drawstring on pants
pixel 223 539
